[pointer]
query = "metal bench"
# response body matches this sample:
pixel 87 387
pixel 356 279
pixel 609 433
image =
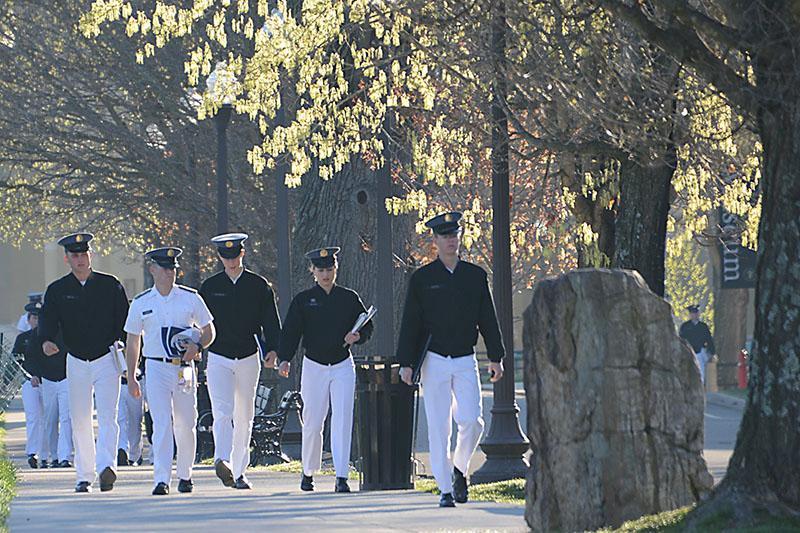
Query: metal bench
pixel 265 443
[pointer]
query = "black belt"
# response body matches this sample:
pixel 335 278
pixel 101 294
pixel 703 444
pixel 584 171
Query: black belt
pixel 177 361
pixel 234 357
pixel 326 363
pixel 88 358
pixel 451 356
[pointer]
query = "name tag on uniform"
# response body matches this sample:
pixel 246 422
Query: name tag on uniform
pixel 147 312
pixel 219 294
pixel 313 303
pixel 436 286
pixel 70 297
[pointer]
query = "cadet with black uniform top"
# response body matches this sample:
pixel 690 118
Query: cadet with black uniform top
pixel 323 316
pixel 88 308
pixel 449 300
pixel 32 390
pixel 244 310
pixel 699 336
pixel 172 325
pixel 54 386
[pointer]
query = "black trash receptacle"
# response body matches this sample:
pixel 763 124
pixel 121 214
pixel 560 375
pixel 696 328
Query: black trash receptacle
pixel 385 425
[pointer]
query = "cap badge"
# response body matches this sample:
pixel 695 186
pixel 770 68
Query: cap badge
pixel 448 217
pixel 170 253
pixel 228 244
pixel 323 253
pixel 78 238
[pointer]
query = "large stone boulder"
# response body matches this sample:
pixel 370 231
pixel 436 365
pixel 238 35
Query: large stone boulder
pixel 615 404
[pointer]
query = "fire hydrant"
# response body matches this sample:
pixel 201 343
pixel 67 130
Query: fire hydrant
pixel 741 369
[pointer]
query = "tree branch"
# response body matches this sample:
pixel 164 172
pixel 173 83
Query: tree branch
pixel 682 43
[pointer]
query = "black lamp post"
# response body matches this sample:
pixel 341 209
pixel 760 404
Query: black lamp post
pixel 504 444
pixel 221 120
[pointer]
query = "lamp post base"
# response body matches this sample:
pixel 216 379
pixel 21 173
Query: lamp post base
pixel 503 462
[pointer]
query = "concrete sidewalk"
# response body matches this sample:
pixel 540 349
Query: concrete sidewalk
pixel 45 501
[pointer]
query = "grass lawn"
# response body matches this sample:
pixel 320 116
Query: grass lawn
pixel 674 521
pixel 512 491
pixel 8 479
pixel 296 467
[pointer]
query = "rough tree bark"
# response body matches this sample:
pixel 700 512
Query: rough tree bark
pixel 640 232
pixel 766 462
pixel 765 468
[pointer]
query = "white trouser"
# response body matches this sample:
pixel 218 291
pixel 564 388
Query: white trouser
pixel 57 426
pixel 34 419
pixel 321 387
pixel 451 389
pixel 102 376
pixel 174 413
pixel 702 361
pixel 232 387
pixel 131 412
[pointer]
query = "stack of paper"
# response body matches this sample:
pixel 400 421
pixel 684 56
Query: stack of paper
pixel 362 319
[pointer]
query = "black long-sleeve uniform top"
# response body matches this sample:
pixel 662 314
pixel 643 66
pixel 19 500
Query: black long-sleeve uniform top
pixel 698 335
pixel 242 311
pixel 21 345
pixel 90 317
pixel 322 320
pixel 452 308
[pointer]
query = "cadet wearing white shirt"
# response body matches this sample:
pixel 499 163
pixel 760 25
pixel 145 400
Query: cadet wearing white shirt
pixel 176 326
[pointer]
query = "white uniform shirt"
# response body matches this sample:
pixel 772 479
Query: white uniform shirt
pixel 159 318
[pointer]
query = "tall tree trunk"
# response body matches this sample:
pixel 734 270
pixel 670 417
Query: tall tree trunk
pixel 641 227
pixel 765 466
pixel 342 212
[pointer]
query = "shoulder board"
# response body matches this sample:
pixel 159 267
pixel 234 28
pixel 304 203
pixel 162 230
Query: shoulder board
pixel 187 289
pixel 142 293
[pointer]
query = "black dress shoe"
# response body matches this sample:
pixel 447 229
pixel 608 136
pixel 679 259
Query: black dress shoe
pixel 460 490
pixel 122 457
pixel 43 463
pixel 447 500
pixel 107 479
pixel 33 462
pixel 224 473
pixel 185 485
pixel 243 483
pixel 64 464
pixel 137 462
pixel 83 486
pixel 307 483
pixel 161 489
pixel 341 485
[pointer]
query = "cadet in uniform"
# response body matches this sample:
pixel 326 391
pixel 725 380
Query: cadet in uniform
pixel 243 306
pixel 323 316
pixel 22 323
pixel 88 308
pixel 54 387
pixel 449 300
pixel 32 390
pixel 699 336
pixel 129 418
pixel 175 325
